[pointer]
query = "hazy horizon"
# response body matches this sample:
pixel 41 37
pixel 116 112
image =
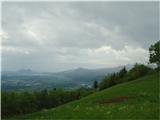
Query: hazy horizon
pixel 58 36
pixel 75 68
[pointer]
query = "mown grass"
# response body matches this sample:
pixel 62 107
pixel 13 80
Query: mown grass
pixel 142 103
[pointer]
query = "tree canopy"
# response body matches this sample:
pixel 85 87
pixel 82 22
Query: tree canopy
pixel 155 53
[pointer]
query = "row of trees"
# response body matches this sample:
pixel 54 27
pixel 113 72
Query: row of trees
pixel 123 75
pixel 14 103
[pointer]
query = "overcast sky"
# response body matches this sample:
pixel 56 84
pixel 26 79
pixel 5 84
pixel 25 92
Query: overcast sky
pixel 56 36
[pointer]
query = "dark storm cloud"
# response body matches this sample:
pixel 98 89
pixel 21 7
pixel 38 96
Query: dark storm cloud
pixel 45 35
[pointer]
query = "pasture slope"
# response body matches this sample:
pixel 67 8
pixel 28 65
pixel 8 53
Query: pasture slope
pixel 138 99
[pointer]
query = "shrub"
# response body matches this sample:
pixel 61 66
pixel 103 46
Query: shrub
pixel 14 103
pixel 137 71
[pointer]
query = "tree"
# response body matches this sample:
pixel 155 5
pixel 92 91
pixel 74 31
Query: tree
pixel 112 80
pixel 155 53
pixel 137 71
pixel 120 75
pixel 43 102
pixel 95 84
pixel 104 83
pixel 122 72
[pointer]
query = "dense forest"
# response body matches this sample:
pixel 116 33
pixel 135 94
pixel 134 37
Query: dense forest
pixel 14 103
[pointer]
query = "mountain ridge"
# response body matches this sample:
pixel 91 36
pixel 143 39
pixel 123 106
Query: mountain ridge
pixel 66 79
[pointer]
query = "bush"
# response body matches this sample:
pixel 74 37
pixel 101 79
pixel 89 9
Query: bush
pixel 137 71
pixel 14 103
pixel 108 81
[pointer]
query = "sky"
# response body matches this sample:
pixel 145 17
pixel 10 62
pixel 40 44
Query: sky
pixel 57 36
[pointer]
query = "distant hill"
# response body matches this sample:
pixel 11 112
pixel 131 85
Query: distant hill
pixel 28 79
pixel 19 72
pixel 87 75
pixel 137 99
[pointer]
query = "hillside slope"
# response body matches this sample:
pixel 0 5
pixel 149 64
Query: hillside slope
pixel 135 100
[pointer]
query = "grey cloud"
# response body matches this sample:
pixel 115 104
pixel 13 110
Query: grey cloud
pixel 136 20
pixel 45 35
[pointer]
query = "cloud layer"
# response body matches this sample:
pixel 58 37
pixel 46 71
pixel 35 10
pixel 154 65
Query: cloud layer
pixel 54 36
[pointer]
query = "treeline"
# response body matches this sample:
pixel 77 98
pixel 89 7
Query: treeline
pixel 123 75
pixel 16 103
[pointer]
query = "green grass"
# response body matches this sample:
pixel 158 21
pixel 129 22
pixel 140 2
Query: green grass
pixel 142 103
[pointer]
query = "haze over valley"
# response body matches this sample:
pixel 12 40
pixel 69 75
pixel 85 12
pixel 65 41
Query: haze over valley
pixel 26 79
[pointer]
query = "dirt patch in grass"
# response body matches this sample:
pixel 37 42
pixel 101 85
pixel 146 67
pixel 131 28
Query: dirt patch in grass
pixel 115 100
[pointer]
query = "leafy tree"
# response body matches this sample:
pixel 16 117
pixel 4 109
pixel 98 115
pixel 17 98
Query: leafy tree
pixel 44 98
pixel 155 53
pixel 14 103
pixel 123 75
pixel 95 84
pixel 112 80
pixel 108 81
pixel 137 71
pixel 104 83
pixel 122 72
